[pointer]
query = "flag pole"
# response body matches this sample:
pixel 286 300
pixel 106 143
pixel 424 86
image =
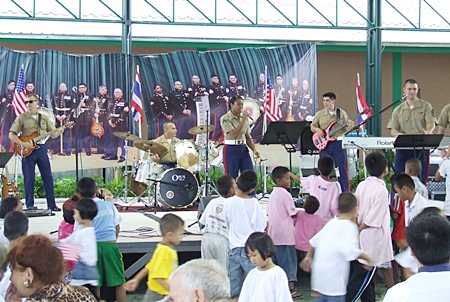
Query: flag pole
pixel 264 132
pixel 364 153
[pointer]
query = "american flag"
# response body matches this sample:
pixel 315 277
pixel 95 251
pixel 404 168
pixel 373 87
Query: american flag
pixel 136 101
pixel 20 94
pixel 361 102
pixel 273 112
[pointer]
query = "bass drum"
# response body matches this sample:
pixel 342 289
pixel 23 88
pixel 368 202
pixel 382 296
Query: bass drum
pixel 253 110
pixel 177 188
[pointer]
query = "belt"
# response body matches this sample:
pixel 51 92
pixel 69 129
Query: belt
pixel 234 142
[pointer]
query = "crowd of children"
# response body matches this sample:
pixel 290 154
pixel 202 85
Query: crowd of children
pixel 341 238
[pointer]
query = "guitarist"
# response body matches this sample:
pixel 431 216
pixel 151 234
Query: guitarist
pixel 26 124
pixel 322 119
pixel 63 104
pixel 100 111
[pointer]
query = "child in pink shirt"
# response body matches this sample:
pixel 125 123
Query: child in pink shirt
pixel 323 188
pixel 280 210
pixel 374 226
pixel 306 225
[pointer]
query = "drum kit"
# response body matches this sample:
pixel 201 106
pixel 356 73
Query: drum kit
pixel 174 188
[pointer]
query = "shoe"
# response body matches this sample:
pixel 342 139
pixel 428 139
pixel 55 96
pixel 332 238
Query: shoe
pixel 98 152
pixel 88 153
pixel 103 157
pixel 55 153
pixel 121 160
pixel 55 209
pixel 110 158
pixel 68 153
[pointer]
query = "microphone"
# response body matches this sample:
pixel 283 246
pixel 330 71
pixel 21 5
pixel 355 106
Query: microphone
pixel 247 116
pixel 404 96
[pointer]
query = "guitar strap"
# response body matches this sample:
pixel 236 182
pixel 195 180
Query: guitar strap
pixel 338 115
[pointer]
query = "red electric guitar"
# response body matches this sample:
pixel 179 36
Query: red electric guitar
pixel 322 142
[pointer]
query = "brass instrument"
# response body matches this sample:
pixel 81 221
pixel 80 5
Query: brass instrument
pixel 289 116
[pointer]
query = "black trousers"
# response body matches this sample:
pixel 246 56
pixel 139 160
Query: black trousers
pixel 360 283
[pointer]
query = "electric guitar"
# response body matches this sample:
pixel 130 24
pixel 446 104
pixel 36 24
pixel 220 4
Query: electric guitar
pixel 322 142
pixel 9 188
pixel 97 127
pixel 35 137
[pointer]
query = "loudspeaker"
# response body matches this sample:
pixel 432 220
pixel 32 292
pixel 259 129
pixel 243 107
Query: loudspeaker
pixel 306 143
pixel 202 206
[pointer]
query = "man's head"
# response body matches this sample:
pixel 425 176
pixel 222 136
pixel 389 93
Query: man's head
pixel 329 101
pixel 305 85
pixel 178 85
pixel 376 164
pixel 82 88
pixel 411 88
pixel 233 79
pixel 429 238
pixel 214 79
pixel 170 130
pixel 63 87
pixel 103 90
pixel 29 87
pixel 413 167
pixel 196 79
pixel 294 81
pixel 199 280
pixel 11 85
pixel 15 225
pixel 86 187
pixel 118 93
pixel 325 165
pixel 32 102
pixel 158 89
pixel 279 79
pixel 262 77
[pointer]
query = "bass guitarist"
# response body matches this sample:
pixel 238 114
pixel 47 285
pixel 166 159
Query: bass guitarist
pixel 26 124
pixel 322 119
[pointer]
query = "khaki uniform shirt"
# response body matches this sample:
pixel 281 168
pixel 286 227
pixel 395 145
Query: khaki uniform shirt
pixel 323 118
pixel 230 122
pixel 412 121
pixel 26 124
pixel 169 156
pixel 444 117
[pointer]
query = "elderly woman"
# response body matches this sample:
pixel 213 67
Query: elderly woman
pixel 37 269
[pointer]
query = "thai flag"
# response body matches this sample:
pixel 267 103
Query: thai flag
pixel 136 101
pixel 273 112
pixel 20 95
pixel 361 102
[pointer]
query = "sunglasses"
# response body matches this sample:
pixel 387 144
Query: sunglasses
pixel 29 102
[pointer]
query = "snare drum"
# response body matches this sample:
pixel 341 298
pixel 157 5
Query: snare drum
pixel 177 188
pixel 148 170
pixel 186 153
pixel 212 151
pixel 253 110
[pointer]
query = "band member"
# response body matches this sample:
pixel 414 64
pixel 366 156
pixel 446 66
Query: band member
pixel 233 88
pixel 305 106
pixel 29 88
pixel 117 122
pixel 26 124
pixel 258 91
pixel 101 104
pixel 218 104
pixel 63 104
pixel 169 139
pixel 7 114
pixel 415 116
pixel 282 96
pixel 183 105
pixel 236 129
pixel 163 109
pixel 196 90
pixel 85 113
pixel 294 99
pixel 321 121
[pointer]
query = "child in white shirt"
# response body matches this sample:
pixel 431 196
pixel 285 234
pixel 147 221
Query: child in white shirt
pixel 268 282
pixel 85 271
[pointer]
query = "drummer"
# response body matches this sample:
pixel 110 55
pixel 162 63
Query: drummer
pixel 236 130
pixel 167 159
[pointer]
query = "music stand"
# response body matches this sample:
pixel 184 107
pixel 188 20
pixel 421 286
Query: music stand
pixel 286 134
pixel 4 158
pixel 418 141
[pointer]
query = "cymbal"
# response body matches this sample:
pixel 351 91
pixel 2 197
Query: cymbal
pixel 151 146
pixel 127 136
pixel 201 129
